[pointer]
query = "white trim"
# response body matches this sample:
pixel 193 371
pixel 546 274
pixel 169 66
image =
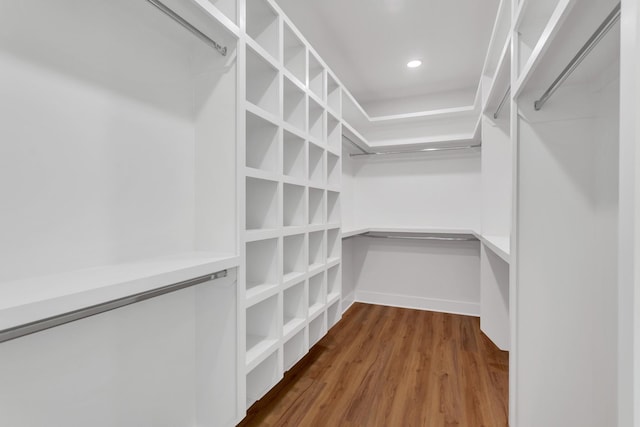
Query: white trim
pixel 419 303
pixel 348 301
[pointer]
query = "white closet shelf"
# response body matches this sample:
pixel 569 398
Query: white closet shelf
pixel 257 293
pixel 291 326
pixel 315 309
pixel 500 245
pixel 332 297
pixel 33 299
pixel 293 278
pixel 258 349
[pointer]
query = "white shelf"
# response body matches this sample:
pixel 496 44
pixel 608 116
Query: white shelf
pixel 316 120
pixel 294 349
pixel 316 206
pixel 262 204
pixel 334 95
pixel 229 8
pixel 334 171
pixel 294 308
pixel 294 257
pixel 294 104
pixel 262 377
pixel 262 143
pixel 316 77
pixel 334 281
pixel 294 204
pixel 334 132
pixel 261 266
pixel 316 165
pixel 334 244
pixel 262 83
pixel 316 248
pixel 317 329
pixel 294 152
pixel 295 55
pixel 262 329
pixel 500 245
pixel 333 207
pixel 37 298
pixel 317 293
pixel 262 26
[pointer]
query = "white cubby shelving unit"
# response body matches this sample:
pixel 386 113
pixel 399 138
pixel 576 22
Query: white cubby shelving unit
pixel 289 169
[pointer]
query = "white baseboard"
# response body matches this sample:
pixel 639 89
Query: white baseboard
pixel 347 301
pixel 419 303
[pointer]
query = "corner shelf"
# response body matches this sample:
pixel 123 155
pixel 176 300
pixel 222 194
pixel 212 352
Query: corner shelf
pixel 334 171
pixel 294 265
pixel 294 349
pixel 294 103
pixel 316 77
pixel 261 378
pixel 316 120
pixel 333 283
pixel 317 292
pixel 334 132
pixel 316 249
pixel 294 309
pixel 262 268
pixel 263 26
pixel 262 204
pixel 333 207
pixel 316 206
pixel 316 164
pixel 334 245
pixel 262 329
pixel 262 143
pixel 295 55
pixel 317 329
pixel 262 83
pixel 334 95
pixel 294 164
pixel 294 205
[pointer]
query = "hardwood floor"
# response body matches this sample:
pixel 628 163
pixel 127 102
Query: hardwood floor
pixel 385 366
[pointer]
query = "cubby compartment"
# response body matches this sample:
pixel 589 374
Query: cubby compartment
pixel 294 309
pixel 294 265
pixel 294 350
pixel 333 283
pixel 334 245
pixel 262 267
pixel 262 328
pixel 262 83
pixel 334 132
pixel 295 55
pixel 334 314
pixel 316 294
pixel 316 206
pixel 316 249
pixel 294 153
pixel 334 171
pixel 262 143
pixel 316 77
pixel 228 7
pixel 316 120
pixel 261 378
pixel 333 207
pixel 317 329
pixel 262 26
pixel 294 105
pixel 334 100
pixel 316 164
pixel 262 204
pixel 294 205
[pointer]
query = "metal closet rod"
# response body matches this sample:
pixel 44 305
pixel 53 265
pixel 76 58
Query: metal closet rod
pixel 72 316
pixel 446 239
pixel 593 41
pixel 504 98
pixel 193 30
pixel 422 150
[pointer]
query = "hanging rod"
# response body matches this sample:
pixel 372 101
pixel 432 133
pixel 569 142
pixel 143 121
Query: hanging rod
pixel 180 20
pixel 355 145
pixel 504 98
pixel 595 38
pixel 446 239
pixel 72 316
pixel 422 150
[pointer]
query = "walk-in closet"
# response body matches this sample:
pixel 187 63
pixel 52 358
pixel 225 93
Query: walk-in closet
pixel 220 213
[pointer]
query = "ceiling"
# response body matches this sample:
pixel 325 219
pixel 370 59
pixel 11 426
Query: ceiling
pixel 367 43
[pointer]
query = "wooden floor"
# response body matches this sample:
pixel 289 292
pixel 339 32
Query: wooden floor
pixel 385 366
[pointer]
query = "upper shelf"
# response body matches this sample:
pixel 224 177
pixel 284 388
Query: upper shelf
pixel 29 300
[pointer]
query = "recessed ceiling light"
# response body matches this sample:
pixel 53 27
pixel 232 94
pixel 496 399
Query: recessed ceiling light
pixel 414 64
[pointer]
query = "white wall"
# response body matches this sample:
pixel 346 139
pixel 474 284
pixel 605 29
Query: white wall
pixel 419 190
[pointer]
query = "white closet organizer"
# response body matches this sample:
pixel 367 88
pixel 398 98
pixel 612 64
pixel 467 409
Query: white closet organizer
pixel 118 122
pixel 290 133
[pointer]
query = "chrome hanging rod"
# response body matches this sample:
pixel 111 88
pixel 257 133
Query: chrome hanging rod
pixel 180 20
pixel 446 239
pixel 504 98
pixel 355 145
pixel 422 150
pixel 595 38
pixel 72 316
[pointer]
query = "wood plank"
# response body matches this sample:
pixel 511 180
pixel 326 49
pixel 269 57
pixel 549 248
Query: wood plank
pixel 387 366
